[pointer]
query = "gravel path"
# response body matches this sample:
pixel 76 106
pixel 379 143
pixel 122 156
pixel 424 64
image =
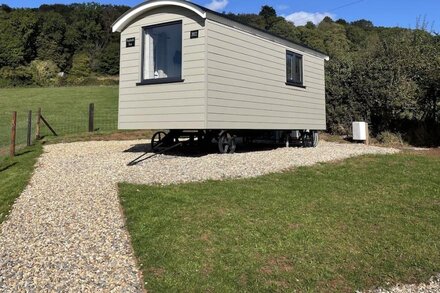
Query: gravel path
pixel 66 231
pixel 433 286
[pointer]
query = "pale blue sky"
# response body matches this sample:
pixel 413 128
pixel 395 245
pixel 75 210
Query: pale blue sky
pixel 382 12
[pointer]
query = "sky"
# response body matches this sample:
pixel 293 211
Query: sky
pixel 403 13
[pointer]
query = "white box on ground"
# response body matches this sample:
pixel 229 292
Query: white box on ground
pixel 359 131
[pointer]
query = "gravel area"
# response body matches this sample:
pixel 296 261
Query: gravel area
pixel 66 231
pixel 433 286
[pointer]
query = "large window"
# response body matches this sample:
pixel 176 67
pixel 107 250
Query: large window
pixel 162 53
pixel 294 66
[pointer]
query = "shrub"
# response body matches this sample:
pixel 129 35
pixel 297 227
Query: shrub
pixel 423 134
pixel 44 72
pixel 390 138
pixel 13 77
pixel 80 66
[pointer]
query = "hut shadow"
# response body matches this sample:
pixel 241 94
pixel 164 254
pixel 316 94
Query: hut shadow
pixel 139 148
pixel 194 151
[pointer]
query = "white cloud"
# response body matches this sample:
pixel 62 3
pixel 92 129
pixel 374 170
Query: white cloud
pixel 302 17
pixel 217 5
pixel 282 7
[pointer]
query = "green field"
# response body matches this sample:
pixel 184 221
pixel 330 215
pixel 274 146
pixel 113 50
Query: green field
pixel 66 109
pixel 365 222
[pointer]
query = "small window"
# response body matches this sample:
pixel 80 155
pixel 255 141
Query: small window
pixel 294 65
pixel 162 53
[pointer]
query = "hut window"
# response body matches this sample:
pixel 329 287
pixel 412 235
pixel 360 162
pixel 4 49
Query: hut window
pixel 294 66
pixel 162 52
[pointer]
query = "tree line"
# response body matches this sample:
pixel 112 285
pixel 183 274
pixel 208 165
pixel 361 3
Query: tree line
pixel 37 44
pixel 389 77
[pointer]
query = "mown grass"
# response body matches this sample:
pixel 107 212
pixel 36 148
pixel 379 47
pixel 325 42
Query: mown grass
pixel 65 108
pixel 361 223
pixel 14 176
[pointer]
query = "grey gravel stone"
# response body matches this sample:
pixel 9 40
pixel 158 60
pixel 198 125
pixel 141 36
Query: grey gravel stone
pixel 66 231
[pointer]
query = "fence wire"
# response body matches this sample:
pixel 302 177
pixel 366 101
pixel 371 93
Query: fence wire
pixel 63 123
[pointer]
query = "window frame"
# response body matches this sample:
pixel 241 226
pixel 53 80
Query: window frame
pixel 159 80
pixel 289 81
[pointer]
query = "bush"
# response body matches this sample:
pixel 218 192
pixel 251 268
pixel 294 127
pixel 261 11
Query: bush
pixel 44 72
pixel 13 77
pixel 423 134
pixel 390 138
pixel 80 66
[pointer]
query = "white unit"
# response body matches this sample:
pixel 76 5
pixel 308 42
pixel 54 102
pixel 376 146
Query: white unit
pixel 360 130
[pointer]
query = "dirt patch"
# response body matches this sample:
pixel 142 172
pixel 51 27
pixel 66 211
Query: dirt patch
pixel 337 284
pixel 294 226
pixel 206 237
pixel 277 264
pixel 429 152
pixel 157 272
pixel 243 281
pixel 278 284
pixel 207 269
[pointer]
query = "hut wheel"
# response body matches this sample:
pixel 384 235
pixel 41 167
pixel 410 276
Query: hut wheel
pixel 309 139
pixel 226 143
pixel 157 139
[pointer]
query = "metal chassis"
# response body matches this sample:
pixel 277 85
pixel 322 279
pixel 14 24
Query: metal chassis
pixel 227 139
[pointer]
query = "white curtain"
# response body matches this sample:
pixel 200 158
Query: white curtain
pixel 148 56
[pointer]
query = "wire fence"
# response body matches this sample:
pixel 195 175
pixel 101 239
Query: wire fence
pixel 63 123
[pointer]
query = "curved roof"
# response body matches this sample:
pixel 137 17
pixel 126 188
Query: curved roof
pixel 128 17
pixel 142 8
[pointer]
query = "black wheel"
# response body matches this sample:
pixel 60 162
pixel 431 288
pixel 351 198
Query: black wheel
pixel 157 139
pixel 309 139
pixel 226 143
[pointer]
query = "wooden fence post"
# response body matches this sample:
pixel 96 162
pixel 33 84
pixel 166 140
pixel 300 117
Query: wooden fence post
pixel 13 134
pixel 29 130
pixel 91 117
pixel 38 128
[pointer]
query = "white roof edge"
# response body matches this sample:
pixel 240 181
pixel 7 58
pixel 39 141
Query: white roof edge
pixel 122 22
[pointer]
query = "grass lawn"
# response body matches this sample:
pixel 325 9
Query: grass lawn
pixel 364 222
pixel 65 108
pixel 14 176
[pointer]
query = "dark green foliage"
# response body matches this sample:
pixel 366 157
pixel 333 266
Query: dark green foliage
pixel 15 77
pixel 58 33
pixel 50 40
pixel 5 8
pixel 269 15
pixel 363 23
pixel 109 59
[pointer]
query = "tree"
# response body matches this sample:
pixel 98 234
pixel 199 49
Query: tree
pixel 17 34
pixel 363 23
pixel 109 59
pixel 50 40
pixel 5 8
pixel 269 15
